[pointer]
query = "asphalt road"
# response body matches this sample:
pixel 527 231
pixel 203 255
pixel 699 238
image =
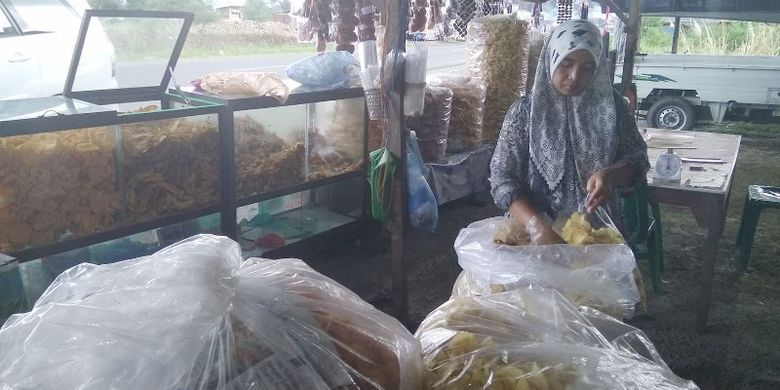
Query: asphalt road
pixel 442 57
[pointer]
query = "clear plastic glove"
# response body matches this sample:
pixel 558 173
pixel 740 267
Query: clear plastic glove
pixel 599 188
pixel 541 233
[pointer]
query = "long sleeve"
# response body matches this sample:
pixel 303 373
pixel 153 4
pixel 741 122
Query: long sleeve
pixel 509 166
pixel 631 145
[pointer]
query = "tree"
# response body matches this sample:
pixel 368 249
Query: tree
pixel 107 4
pixel 280 5
pixel 203 10
pixel 258 10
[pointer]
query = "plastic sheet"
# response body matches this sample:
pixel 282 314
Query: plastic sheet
pixel 416 65
pixel 432 127
pixel 527 315
pixel 529 339
pixel 468 102
pixel 331 69
pixel 545 365
pixel 193 316
pixel 623 337
pixel 598 276
pixel 245 84
pixel 497 52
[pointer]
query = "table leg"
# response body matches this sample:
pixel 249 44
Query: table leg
pixel 714 231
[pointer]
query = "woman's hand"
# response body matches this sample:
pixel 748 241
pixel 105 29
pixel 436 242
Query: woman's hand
pixel 599 188
pixel 603 183
pixel 541 233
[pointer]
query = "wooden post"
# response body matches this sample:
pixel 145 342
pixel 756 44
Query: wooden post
pixel 395 34
pixel 676 36
pixel 632 42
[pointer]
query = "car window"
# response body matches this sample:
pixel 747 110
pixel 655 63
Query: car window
pixel 45 15
pixel 6 28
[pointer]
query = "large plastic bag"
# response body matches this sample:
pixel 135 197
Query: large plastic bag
pixel 623 337
pixel 527 315
pixel 332 69
pixel 529 339
pixel 546 365
pixel 468 102
pixel 433 126
pixel 420 203
pixel 497 53
pixel 193 316
pixel 598 276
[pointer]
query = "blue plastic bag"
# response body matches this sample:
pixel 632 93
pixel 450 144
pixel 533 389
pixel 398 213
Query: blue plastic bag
pixel 331 69
pixel 420 203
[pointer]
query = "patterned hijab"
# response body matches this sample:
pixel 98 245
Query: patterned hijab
pixel 586 123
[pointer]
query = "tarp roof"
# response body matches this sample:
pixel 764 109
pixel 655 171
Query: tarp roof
pixel 748 10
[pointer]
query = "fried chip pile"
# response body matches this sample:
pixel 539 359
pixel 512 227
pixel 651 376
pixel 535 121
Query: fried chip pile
pixel 55 183
pixel 169 166
pixel 264 161
pixel 578 231
pixel 465 363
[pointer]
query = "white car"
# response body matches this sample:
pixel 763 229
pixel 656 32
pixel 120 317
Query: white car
pixel 37 39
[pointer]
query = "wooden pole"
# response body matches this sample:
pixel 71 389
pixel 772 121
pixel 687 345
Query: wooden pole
pixel 396 143
pixel 676 36
pixel 632 41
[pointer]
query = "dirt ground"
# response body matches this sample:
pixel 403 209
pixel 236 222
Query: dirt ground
pixel 741 349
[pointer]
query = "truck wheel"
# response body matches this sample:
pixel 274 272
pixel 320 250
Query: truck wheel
pixel 671 112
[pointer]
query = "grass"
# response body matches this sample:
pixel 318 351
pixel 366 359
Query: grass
pixel 748 129
pixel 716 38
pixel 190 52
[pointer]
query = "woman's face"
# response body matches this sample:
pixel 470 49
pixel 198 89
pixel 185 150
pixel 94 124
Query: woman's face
pixel 574 73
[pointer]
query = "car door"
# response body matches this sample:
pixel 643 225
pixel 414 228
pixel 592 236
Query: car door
pixel 20 75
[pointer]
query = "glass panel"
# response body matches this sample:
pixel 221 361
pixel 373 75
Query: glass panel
pixel 22 284
pixel 6 28
pixel 142 48
pixel 270 151
pixel 337 138
pixel 12 299
pixel 291 218
pixel 169 166
pixel 56 185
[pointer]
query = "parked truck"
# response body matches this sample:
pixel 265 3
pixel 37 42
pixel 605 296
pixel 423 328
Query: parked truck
pixel 678 89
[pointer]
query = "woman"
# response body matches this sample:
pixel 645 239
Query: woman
pixel 572 142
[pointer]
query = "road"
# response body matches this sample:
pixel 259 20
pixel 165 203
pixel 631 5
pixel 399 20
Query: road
pixel 442 57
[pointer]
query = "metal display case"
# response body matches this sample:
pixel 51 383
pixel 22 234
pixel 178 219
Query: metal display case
pixel 95 165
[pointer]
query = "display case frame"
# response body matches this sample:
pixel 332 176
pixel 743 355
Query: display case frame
pixel 176 104
pixel 298 96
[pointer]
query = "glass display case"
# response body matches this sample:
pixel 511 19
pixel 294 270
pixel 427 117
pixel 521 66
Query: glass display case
pixel 111 174
pixel 93 165
pixel 318 136
pixel 293 218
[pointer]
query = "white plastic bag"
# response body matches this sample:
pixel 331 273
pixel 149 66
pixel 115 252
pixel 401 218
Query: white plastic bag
pixel 531 338
pixel 245 84
pixel 527 315
pixel 193 316
pixel 336 69
pixel 546 365
pixel 599 276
